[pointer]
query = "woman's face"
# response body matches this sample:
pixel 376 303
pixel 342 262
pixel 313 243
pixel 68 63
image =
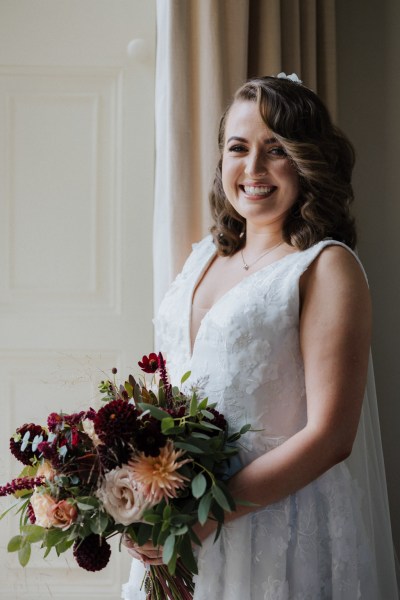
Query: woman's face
pixel 258 178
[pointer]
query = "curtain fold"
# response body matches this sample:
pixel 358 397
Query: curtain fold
pixel 205 50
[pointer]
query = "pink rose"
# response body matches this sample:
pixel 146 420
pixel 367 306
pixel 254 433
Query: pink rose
pixel 121 496
pixel 62 514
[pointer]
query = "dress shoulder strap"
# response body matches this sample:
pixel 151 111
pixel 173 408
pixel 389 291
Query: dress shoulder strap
pixel 308 256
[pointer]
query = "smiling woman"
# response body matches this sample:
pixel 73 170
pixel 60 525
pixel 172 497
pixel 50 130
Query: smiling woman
pixel 273 315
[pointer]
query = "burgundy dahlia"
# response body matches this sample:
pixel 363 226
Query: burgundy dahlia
pixel 149 364
pixel 218 420
pixel 149 438
pixel 114 456
pixel 92 553
pixel 27 454
pixel 117 420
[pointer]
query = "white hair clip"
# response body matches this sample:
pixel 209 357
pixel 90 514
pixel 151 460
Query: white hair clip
pixel 293 77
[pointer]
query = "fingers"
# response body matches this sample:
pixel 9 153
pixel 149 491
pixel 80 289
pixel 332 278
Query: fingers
pixel 147 553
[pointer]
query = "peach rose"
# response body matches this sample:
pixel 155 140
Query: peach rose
pixel 41 504
pixel 62 514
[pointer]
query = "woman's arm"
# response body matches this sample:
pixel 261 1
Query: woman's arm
pixel 335 325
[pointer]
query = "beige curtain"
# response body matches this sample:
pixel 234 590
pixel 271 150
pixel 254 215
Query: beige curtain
pixel 205 50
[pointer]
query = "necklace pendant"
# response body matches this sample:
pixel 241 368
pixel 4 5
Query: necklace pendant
pixel 246 267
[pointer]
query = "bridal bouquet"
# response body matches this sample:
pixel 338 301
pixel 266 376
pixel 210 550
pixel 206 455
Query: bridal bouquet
pixel 149 464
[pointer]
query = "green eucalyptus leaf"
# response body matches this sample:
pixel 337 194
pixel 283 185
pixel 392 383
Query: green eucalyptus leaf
pixel 200 436
pixel 83 506
pixel 144 533
pixel 15 543
pixel 234 437
pixel 99 524
pixel 64 546
pixel 24 554
pixel 167 424
pixel 189 447
pixel 33 533
pixel 221 485
pixel 169 548
pixel 193 405
pixel 204 508
pixel 208 414
pixel 203 404
pixel 199 485
pixel 194 537
pixel 185 376
pixel 180 530
pixel 245 429
pixel 186 554
pixel 151 518
pixel 220 497
pixel 54 536
pixel 167 512
pixel 155 412
pixel 156 534
pixel 206 425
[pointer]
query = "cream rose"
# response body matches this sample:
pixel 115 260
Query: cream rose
pixel 121 496
pixel 62 514
pixel 41 504
pixel 46 470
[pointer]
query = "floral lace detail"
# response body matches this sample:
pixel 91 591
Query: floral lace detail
pixel 311 545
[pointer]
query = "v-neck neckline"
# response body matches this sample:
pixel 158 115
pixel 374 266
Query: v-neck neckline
pixel 196 282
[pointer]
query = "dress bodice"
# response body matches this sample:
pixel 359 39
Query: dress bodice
pixel 246 356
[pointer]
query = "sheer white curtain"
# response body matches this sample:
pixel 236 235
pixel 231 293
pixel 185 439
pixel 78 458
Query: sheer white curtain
pixel 205 50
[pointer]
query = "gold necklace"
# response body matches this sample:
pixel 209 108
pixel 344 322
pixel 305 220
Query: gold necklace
pixel 246 266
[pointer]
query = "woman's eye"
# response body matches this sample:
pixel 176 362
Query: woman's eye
pixel 237 148
pixel 278 151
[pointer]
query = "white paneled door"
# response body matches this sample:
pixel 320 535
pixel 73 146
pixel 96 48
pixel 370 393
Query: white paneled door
pixel 76 187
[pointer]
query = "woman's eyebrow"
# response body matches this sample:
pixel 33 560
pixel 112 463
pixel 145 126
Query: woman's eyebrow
pixel 271 140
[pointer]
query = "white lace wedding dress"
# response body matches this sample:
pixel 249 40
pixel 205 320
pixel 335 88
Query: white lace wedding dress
pixel 316 544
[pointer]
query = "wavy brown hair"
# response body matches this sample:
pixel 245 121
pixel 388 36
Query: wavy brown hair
pixel 321 154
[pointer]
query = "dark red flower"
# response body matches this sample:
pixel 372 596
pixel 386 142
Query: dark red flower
pixel 74 438
pixel 26 455
pixel 21 483
pixel 218 420
pixel 149 438
pixel 92 553
pixel 114 456
pixel 149 364
pixel 117 420
pixel 75 418
pixel 54 421
pixel 47 450
pixel 31 514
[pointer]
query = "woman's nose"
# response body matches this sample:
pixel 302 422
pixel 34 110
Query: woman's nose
pixel 256 164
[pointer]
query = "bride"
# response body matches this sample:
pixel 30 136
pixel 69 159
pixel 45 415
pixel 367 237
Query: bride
pixel 272 313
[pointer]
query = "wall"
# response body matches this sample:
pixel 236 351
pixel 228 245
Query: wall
pixel 368 67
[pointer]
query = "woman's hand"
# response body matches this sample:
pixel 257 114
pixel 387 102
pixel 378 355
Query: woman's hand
pixel 147 554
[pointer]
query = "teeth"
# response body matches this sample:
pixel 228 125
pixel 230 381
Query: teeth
pixel 257 191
